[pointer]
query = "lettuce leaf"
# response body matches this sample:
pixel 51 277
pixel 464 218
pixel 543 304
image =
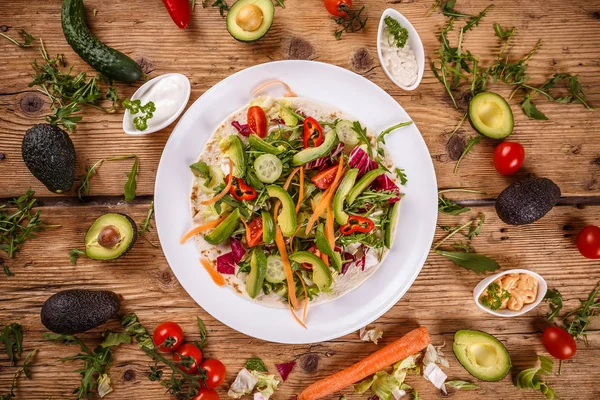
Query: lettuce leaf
pixel 244 384
pixel 267 384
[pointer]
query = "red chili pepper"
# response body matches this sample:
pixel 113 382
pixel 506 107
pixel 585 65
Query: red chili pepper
pixel 240 190
pixel 357 224
pixel 313 133
pixel 180 12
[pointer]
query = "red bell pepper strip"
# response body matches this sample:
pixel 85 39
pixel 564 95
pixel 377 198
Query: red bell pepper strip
pixel 180 12
pixel 240 190
pixel 313 133
pixel 357 224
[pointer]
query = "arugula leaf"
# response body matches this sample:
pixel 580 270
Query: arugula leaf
pixel 447 206
pixel 218 3
pixel 555 303
pixel 23 370
pixel 135 329
pixel 381 136
pixel 531 110
pixel 114 338
pixel 27 38
pixel 84 188
pixel 75 254
pixel 131 184
pixel 12 338
pixel 478 263
pixel 532 378
pixel 472 141
pixel 147 224
pixel 202 170
pixel 362 136
pixel 401 176
pixel 7 270
pixel 255 364
pixel 461 385
pixel 202 343
pixel 576 322
pixel 503 33
pixel 398 33
pixel 280 3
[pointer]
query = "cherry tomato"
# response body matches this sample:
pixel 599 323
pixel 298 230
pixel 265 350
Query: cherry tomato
pixel 215 372
pixel 254 232
pixel 588 242
pixel 508 157
pixel 559 343
pixel 257 121
pixel 169 332
pixel 206 394
pixel 325 178
pixel 188 350
pixel 313 133
pixel 338 7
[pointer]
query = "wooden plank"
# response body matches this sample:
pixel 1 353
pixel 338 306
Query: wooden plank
pixel 565 148
pixel 440 299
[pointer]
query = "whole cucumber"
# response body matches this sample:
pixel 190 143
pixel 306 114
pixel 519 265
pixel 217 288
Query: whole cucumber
pixel 109 62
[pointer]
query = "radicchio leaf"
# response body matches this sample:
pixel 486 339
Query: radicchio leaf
pixel 226 264
pixel 237 249
pixel 383 182
pixel 285 369
pixel 327 160
pixel 243 130
pixel 360 159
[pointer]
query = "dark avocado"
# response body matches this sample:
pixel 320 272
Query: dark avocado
pixel 110 236
pixel 77 310
pixel 49 154
pixel 527 201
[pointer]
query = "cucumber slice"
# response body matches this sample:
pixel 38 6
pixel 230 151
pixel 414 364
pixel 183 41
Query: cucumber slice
pixel 268 227
pixel 268 168
pixel 345 133
pixel 390 226
pixel 275 270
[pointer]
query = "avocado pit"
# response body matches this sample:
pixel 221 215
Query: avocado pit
pixel 249 18
pixel 109 237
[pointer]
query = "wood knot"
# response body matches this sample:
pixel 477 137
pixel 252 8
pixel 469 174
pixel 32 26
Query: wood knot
pixel 146 65
pixel 310 363
pixel 596 15
pixel 595 161
pixel 463 99
pixel 129 375
pixel 299 49
pixel 362 60
pixel 4 28
pixel 2 156
pixel 455 147
pixel 165 278
pixel 31 104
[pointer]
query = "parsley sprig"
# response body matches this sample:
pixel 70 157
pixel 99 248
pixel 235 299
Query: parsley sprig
pixel 398 33
pixel 494 296
pixel 146 112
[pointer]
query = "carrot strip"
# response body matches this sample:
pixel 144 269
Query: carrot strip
pixel 305 311
pixel 214 274
pixel 201 228
pixel 411 343
pixel 295 316
pixel 223 192
pixel 286 266
pixel 301 192
pixel 286 185
pixel 326 199
pixel 329 227
pixel 289 93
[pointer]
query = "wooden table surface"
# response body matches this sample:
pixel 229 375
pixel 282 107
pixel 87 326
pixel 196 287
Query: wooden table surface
pixel 566 149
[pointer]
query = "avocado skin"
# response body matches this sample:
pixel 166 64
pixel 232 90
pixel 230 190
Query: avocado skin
pixel 49 154
pixel 78 310
pixel 527 201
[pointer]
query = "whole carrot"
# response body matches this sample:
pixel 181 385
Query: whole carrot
pixel 411 343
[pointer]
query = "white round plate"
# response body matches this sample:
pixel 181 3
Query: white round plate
pixel 416 225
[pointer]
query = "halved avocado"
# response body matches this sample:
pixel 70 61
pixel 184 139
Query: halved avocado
pixel 249 20
pixel 490 115
pixel 482 355
pixel 110 236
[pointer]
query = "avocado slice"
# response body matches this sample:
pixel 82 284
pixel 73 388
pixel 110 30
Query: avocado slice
pixel 325 248
pixel 224 230
pixel 258 271
pixel 110 236
pixel 321 274
pixel 363 184
pixel 268 227
pixel 49 154
pixel 390 225
pixel 287 218
pixel 340 195
pixel 233 146
pixel 482 355
pixel 257 143
pixel 312 153
pixel 249 20
pixel 490 115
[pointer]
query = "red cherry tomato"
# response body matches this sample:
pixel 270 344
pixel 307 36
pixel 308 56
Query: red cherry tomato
pixel 508 157
pixel 325 178
pixel 169 332
pixel 215 372
pixel 588 242
pixel 254 232
pixel 559 343
pixel 188 350
pixel 206 394
pixel 180 12
pixel 338 7
pixel 257 121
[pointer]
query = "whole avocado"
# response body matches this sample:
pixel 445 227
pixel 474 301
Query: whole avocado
pixel 527 201
pixel 49 154
pixel 78 310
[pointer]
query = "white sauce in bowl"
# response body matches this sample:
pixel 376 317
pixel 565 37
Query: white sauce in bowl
pixel 400 62
pixel 167 95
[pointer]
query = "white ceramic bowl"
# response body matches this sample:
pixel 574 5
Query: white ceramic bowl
pixel 542 288
pixel 127 117
pixel 414 40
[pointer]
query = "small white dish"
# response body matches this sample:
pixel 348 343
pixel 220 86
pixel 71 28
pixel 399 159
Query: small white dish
pixel 128 126
pixel 542 288
pixel 414 40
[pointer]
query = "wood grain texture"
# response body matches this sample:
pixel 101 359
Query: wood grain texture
pixel 565 149
pixel 440 299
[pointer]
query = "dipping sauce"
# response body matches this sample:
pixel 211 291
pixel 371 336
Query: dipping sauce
pixel 510 291
pixel 400 62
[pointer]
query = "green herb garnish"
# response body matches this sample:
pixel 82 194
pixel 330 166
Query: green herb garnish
pixel 75 254
pixel 401 176
pixel 27 38
pixel 494 297
pixel 22 370
pixel 532 378
pixel 147 224
pixel 577 321
pixel 398 34
pixel 555 303
pixel 135 106
pixel 12 338
pixel 218 3
pixel 470 143
pixel 131 183
pixel 84 189
pixel 362 136
pixel 7 270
